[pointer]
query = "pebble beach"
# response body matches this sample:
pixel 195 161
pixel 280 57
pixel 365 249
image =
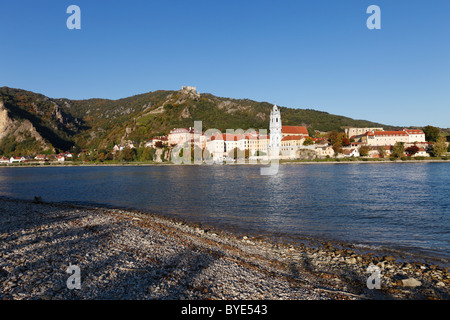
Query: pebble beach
pixel 132 255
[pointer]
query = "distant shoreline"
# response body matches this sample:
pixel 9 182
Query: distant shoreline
pixel 281 162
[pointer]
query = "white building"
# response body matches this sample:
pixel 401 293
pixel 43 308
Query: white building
pixel 290 146
pixel 216 146
pixel 16 159
pixel 351 132
pixel 179 136
pixel 324 151
pixel 421 153
pixel 275 133
pixel 390 138
pixel 351 153
pixel 219 145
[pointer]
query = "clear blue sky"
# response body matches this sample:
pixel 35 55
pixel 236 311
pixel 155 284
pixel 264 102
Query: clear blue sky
pixel 301 54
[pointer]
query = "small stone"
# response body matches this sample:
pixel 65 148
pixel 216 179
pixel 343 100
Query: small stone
pixel 411 282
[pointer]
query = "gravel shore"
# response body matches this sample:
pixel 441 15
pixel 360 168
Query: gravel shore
pixel 125 254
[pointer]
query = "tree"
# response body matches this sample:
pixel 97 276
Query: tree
pixel 147 154
pixel 109 156
pixel 196 154
pixel 237 153
pixel 127 154
pixel 412 150
pixel 308 141
pixel 382 151
pixel 336 137
pixel 346 142
pixel 364 151
pixel 439 147
pixel 337 147
pixel 431 133
pixel 159 144
pixel 399 150
pixel 100 157
pixel 311 132
pixel 233 154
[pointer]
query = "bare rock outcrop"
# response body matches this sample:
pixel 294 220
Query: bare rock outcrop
pixel 18 129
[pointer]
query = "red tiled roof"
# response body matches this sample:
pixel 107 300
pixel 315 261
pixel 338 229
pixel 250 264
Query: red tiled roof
pixel 236 137
pixel 347 151
pixel 294 130
pixel 386 133
pixel 185 130
pixel 403 132
pixel 292 138
pixel 179 130
pixel 414 131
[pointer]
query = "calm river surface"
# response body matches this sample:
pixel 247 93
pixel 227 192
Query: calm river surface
pixel 400 206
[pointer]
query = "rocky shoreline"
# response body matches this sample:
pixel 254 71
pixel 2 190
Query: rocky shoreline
pixel 126 254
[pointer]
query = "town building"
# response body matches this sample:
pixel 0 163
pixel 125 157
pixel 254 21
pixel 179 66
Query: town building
pixel 179 136
pixel 324 151
pixel 16 159
pixel 290 145
pixel 258 144
pixel 351 132
pixel 219 145
pixel 287 131
pixel 40 157
pixel 390 138
pixel 351 153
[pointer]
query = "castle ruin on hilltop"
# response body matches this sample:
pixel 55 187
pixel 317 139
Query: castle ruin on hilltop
pixel 190 90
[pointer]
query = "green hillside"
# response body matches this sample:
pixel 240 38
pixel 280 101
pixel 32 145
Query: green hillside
pixel 101 123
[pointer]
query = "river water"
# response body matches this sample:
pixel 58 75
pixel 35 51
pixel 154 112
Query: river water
pixel 399 206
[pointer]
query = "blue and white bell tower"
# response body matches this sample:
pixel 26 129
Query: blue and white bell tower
pixel 275 132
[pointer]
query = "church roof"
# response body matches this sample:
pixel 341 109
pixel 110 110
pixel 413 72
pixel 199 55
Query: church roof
pixel 292 138
pixel 294 130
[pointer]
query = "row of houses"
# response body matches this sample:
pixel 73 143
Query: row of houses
pixel 292 142
pixel 411 150
pixel 220 144
pixel 379 137
pixel 155 142
pixel 61 157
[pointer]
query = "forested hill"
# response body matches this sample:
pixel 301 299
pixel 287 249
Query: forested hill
pixel 31 122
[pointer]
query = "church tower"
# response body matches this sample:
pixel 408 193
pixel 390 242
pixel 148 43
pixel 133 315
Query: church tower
pixel 275 132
